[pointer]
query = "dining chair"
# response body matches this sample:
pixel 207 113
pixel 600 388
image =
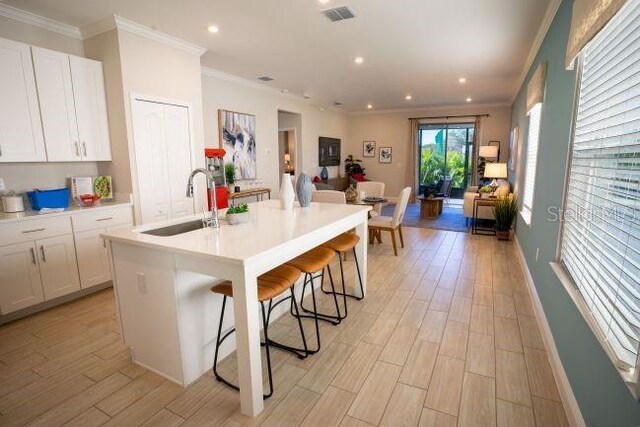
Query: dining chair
pixel 328 196
pixel 391 223
pixel 373 189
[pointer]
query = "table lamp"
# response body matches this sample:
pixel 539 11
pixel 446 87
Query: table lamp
pixel 495 171
pixel 287 160
pixel 488 151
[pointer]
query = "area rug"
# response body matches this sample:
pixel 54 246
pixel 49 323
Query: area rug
pixel 451 219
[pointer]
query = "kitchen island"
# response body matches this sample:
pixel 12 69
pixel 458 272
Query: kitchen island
pixel 162 274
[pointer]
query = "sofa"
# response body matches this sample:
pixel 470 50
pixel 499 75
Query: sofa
pixel 484 212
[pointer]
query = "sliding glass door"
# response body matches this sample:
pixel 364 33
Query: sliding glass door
pixel 446 153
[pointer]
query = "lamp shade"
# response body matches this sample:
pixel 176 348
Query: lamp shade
pixel 495 170
pixel 490 151
pixel 287 157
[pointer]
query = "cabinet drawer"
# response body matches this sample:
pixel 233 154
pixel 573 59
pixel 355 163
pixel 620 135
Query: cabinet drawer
pixel 34 229
pixel 102 218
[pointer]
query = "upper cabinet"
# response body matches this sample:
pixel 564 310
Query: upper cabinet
pixel 73 106
pixel 20 128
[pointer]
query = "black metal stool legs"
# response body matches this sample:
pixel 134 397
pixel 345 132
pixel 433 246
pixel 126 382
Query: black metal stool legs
pixel 344 293
pixel 335 320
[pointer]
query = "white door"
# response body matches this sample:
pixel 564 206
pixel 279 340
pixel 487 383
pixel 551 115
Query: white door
pixel 151 161
pixel 91 108
pixel 57 106
pixel 20 284
pixel 20 128
pixel 58 266
pixel 93 259
pixel 177 136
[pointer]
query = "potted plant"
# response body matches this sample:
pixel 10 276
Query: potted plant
pixel 352 165
pixel 505 210
pixel 485 191
pixel 238 214
pixel 230 175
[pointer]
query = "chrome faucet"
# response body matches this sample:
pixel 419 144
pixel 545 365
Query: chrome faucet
pixel 214 221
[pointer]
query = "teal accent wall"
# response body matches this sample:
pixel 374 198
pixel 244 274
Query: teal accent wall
pixel 603 397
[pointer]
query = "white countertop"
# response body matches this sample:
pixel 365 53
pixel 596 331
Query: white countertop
pixel 269 228
pixel 29 214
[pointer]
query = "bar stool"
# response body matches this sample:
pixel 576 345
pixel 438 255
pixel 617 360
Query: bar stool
pixel 270 285
pixel 342 244
pixel 317 259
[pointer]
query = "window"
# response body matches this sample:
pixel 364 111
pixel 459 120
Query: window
pixel 533 140
pixel 600 248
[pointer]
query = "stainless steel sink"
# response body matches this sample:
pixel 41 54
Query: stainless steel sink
pixel 173 230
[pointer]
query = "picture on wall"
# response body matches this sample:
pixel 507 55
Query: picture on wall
pixel 384 155
pixel 368 149
pixel 513 148
pixel 238 138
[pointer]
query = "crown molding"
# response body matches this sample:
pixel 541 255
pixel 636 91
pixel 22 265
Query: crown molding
pixel 435 109
pixel 39 21
pixel 133 27
pixel 552 9
pixel 212 72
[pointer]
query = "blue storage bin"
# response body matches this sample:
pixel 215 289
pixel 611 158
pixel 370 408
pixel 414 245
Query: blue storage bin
pixel 56 198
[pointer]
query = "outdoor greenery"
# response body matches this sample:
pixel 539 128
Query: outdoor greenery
pixel 505 210
pixel 238 209
pixel 432 165
pixel 230 173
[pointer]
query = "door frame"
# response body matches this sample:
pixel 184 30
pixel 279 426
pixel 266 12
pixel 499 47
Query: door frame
pixel 133 97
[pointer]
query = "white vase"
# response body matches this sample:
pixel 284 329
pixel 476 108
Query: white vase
pixel 287 195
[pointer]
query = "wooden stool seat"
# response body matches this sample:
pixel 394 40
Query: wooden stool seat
pixel 270 284
pixel 343 243
pixel 314 260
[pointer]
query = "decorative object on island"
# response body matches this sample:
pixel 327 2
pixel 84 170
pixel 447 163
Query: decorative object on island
pixel 238 214
pixel 368 149
pixel 304 188
pixel 513 148
pixel 329 151
pixel 385 155
pixel 495 171
pixel 505 210
pixel 485 191
pixel 286 192
pixel 238 138
pixel 324 173
pixel 352 166
pixel 230 175
pixel 350 194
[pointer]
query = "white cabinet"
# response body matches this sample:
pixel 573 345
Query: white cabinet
pixel 163 159
pixel 20 128
pixel 91 108
pixel 57 105
pixel 73 106
pixel 93 260
pixel 20 284
pixel 58 266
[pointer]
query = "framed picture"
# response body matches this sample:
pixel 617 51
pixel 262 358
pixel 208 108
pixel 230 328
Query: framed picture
pixel 513 148
pixel 384 155
pixel 238 138
pixel 368 149
pixel 329 151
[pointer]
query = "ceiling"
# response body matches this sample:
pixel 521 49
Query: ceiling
pixel 417 47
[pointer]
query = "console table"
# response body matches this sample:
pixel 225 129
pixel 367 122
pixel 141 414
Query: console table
pixel 477 202
pixel 258 192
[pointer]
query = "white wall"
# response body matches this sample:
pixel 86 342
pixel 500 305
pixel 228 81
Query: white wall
pixel 391 129
pixel 27 176
pixel 219 93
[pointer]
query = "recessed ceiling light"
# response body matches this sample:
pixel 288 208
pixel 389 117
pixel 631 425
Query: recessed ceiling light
pixel 462 80
pixel 469 99
pixel 323 1
pixel 213 29
pixel 369 106
pixel 408 97
pixel 358 59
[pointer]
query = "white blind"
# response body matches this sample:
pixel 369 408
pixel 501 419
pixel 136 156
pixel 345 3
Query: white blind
pixel 533 139
pixel 601 234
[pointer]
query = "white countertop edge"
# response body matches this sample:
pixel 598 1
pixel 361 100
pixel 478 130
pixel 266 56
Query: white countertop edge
pixel 28 215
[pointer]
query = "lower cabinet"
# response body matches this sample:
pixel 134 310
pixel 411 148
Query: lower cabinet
pixel 93 261
pixel 58 266
pixel 20 284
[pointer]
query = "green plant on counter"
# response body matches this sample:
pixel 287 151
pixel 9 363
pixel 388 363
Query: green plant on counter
pixel 243 208
pixel 505 210
pixel 230 173
pixel 486 189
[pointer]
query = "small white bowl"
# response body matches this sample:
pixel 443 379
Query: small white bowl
pixel 239 218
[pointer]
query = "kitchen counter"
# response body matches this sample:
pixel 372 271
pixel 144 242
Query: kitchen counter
pixel 6 218
pixel 168 314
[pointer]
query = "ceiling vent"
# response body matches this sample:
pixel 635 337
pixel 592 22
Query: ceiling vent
pixel 266 78
pixel 337 104
pixel 338 13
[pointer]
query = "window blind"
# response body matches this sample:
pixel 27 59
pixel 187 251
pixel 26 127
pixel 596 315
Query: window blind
pixel 601 234
pixel 532 159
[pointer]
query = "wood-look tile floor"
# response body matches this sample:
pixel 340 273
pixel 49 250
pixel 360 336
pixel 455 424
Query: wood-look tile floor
pixel 445 337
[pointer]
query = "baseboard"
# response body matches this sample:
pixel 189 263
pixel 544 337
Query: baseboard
pixel 562 382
